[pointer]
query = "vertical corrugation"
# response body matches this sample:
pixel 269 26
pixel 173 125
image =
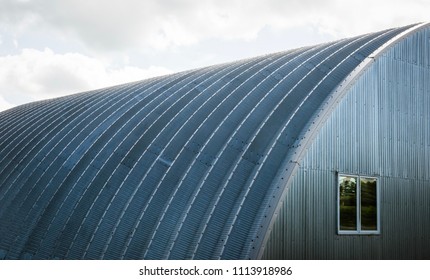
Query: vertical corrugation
pixel 187 165
pixel 380 128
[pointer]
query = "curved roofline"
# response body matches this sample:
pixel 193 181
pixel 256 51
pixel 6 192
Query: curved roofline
pixel 193 165
pixel 315 126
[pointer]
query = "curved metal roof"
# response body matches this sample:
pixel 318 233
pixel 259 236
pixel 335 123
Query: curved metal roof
pixel 182 166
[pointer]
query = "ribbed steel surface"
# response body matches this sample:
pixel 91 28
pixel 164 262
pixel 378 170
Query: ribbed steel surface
pixel 182 166
pixel 379 128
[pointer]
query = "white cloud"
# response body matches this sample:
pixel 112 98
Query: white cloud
pixel 4 105
pixel 159 24
pixel 35 75
pixel 70 45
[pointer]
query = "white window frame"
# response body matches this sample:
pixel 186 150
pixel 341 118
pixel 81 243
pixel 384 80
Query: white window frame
pixel 359 231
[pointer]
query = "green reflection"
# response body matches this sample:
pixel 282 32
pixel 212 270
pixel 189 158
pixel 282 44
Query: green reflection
pixel 368 204
pixel 348 202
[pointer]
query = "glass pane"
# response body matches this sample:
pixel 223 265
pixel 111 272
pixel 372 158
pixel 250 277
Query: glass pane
pixel 369 212
pixel 348 202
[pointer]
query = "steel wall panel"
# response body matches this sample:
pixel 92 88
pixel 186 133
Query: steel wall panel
pixel 378 129
pixel 190 165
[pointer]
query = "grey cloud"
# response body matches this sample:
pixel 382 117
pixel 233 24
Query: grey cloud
pixel 34 75
pixel 119 24
pixel 56 78
pixel 181 34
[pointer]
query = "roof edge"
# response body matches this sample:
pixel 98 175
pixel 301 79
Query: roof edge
pixel 321 117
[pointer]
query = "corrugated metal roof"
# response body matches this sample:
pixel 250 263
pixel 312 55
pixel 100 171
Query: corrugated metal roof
pixel 181 166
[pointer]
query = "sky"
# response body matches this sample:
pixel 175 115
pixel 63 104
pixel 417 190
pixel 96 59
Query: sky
pixel 51 48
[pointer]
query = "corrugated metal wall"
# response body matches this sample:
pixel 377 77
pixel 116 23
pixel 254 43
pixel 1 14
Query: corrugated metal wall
pixel 380 128
pixel 187 165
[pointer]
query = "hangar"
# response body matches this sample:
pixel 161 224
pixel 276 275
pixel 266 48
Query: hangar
pixel 320 152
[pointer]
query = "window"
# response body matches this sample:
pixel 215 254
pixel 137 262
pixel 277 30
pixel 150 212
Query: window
pixel 358 205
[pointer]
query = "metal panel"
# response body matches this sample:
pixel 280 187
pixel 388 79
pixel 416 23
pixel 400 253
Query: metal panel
pixel 189 165
pixel 379 128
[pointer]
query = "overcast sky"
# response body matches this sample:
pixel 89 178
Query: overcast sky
pixel 50 48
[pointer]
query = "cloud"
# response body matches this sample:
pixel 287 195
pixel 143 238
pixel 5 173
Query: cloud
pixel 36 75
pixel 4 105
pixel 69 45
pixel 161 24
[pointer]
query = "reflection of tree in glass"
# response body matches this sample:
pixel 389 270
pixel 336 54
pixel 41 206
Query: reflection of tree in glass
pixel 348 203
pixel 368 204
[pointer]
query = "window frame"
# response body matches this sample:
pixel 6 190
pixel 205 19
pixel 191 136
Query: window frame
pixel 359 231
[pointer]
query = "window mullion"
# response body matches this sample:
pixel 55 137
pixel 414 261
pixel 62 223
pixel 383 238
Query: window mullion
pixel 359 195
pixel 358 204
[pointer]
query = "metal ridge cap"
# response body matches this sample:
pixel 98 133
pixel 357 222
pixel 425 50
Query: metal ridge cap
pixel 324 112
pixel 395 39
pixel 339 91
pixel 355 74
